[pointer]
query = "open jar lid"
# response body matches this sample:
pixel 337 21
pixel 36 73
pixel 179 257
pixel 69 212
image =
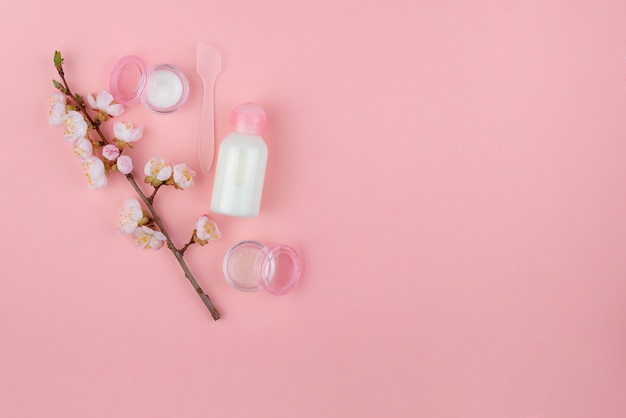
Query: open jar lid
pixel 250 266
pixel 129 79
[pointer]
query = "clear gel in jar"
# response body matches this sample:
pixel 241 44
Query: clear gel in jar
pixel 250 266
pixel 162 88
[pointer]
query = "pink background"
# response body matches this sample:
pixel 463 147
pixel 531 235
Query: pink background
pixel 452 172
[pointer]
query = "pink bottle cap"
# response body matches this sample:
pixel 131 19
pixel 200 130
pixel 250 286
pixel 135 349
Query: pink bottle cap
pixel 250 266
pixel 248 118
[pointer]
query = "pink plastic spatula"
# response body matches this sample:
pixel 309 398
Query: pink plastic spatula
pixel 208 66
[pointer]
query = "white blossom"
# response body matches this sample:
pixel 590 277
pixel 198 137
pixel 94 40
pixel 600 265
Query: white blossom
pixel 207 230
pixel 183 176
pixel 75 126
pixel 56 109
pixel 126 132
pixel 158 169
pixel 129 217
pixel 148 238
pixel 83 148
pixel 95 173
pixel 104 102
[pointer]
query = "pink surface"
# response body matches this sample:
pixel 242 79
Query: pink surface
pixel 452 172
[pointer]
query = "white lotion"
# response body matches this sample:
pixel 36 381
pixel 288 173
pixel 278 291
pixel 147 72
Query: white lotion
pixel 166 89
pixel 241 163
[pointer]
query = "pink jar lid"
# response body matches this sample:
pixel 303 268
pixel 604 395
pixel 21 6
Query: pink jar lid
pixel 250 266
pixel 129 79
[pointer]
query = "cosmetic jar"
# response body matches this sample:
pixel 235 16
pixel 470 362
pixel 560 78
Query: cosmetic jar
pixel 162 88
pixel 250 266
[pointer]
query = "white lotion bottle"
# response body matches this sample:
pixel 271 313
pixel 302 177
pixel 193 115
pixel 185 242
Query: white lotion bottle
pixel 241 162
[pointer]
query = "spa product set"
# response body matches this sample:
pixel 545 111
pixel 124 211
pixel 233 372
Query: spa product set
pixel 239 168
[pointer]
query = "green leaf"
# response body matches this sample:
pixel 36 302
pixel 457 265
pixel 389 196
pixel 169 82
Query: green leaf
pixel 58 60
pixel 59 86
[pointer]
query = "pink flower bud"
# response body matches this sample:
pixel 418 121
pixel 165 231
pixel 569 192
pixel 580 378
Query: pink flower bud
pixel 124 164
pixel 110 152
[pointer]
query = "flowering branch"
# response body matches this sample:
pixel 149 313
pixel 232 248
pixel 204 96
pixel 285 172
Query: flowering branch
pixel 177 253
pixel 78 123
